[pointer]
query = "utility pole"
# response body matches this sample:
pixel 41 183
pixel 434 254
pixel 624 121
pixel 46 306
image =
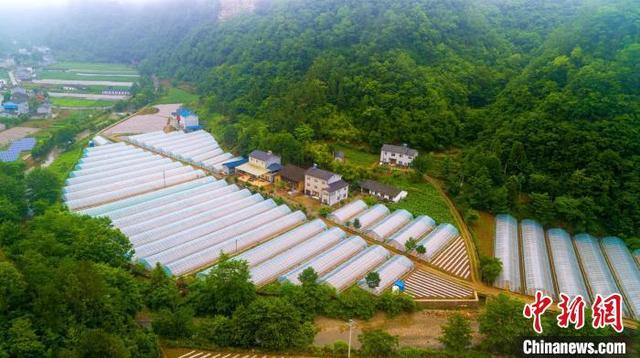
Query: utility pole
pixel 351 324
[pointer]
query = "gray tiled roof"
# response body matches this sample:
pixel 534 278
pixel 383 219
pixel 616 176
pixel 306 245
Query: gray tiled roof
pixel 264 156
pixel 400 149
pixel 319 173
pixel 337 185
pixel 293 173
pixel 378 187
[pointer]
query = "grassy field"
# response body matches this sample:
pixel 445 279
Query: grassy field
pixel 65 162
pixel 177 95
pixel 79 102
pixel 484 232
pixel 422 198
pixel 59 75
pixel 357 156
pixel 101 67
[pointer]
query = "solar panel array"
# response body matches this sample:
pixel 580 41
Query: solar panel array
pixel 16 148
pixel 583 265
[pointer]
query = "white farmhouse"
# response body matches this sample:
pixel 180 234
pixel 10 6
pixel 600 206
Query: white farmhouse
pixel 397 155
pixel 326 186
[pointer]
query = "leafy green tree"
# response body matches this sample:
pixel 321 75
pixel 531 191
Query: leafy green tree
pixel 410 245
pixel 161 291
pixel 456 334
pixel 225 288
pixel 490 268
pixel 502 323
pixel 98 343
pixel 356 223
pixel 12 287
pixel 372 279
pixel 420 249
pixel 271 323
pixel 378 343
pixel 174 324
pixel 395 303
pixel 23 341
pixel 42 184
pixel 216 330
pixel 353 303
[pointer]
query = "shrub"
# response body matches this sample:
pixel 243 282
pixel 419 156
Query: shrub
pixel 395 303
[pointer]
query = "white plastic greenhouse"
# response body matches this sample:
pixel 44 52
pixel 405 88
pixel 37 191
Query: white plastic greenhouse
pixel 636 254
pixel 597 272
pixel 81 176
pixel 537 269
pixel 370 216
pixel 506 249
pixel 565 264
pixel 328 260
pixel 166 206
pixel 437 240
pixel 139 203
pixel 211 208
pixel 120 192
pixel 208 222
pixel 345 213
pixel 235 244
pixel 107 169
pixel 283 242
pixel 390 224
pixel 101 181
pixel 274 267
pixel 389 272
pixel 216 237
pixel 277 245
pixel 356 267
pixel 100 149
pixel 227 215
pixel 416 229
pixel 625 270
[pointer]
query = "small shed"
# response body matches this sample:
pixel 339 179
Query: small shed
pixel 229 168
pixel 382 191
pixel 293 176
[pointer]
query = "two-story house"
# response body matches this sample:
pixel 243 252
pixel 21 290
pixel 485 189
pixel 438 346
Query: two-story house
pixel 261 165
pixel 397 155
pixel 326 186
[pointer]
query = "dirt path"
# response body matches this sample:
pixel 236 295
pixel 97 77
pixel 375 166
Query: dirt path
pixel 464 230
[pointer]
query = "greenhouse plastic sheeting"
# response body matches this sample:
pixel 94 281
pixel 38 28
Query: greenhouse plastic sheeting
pixel 100 162
pixel 76 177
pixel 565 263
pixel 328 260
pixel 274 267
pixel 283 242
pixel 371 216
pixel 131 182
pixel 143 200
pixel 132 191
pixel 207 155
pixel 106 169
pixel 165 207
pixel 416 229
pixel 242 206
pixel 114 163
pixel 100 149
pixel 347 212
pixel 537 269
pixel 109 150
pixel 104 181
pixel 111 156
pixel 390 271
pixel 218 236
pixel 207 208
pixel 597 272
pixel 199 151
pixel 438 239
pixel 218 159
pixel 390 224
pixel 356 267
pixel 506 248
pixel 625 270
pixel 232 245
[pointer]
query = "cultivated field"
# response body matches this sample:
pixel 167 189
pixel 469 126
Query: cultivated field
pixel 15 133
pixel 80 102
pixel 104 97
pixel 144 123
pixel 83 83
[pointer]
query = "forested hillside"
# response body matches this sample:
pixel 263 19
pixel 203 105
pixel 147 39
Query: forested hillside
pixel 541 96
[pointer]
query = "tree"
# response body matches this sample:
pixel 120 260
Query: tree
pixel 161 291
pixel 456 334
pixel 490 268
pixel 23 341
pixel 174 324
pixel 378 343
pixel 502 323
pixel 224 289
pixel 324 211
pixel 356 223
pixel 98 343
pixel 410 245
pixel 216 330
pixel 271 323
pixel 420 249
pixel 373 279
pixel 393 303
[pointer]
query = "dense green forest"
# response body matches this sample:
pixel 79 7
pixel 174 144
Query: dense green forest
pixel 537 101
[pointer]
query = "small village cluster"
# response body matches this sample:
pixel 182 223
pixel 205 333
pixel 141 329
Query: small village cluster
pixel 262 168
